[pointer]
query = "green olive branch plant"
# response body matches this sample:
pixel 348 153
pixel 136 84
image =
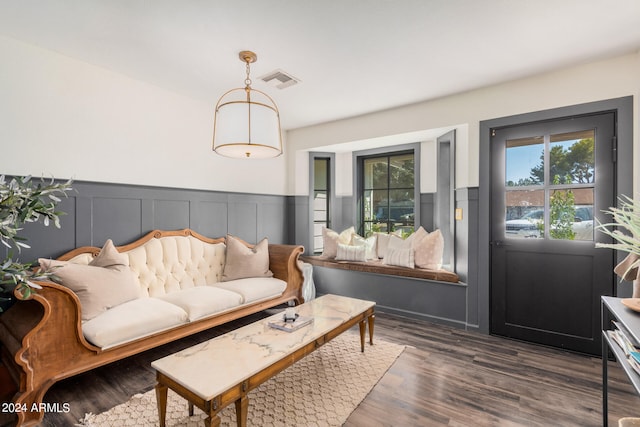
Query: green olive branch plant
pixel 24 200
pixel 624 229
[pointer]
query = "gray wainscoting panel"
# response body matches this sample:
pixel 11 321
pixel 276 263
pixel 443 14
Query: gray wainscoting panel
pixel 276 221
pixel 427 209
pixel 115 218
pixel 212 217
pixel 300 223
pixel 96 212
pixel 243 217
pixel 428 300
pixel 171 214
pixel 466 256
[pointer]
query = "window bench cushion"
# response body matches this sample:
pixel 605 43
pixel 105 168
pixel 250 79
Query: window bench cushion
pixel 379 268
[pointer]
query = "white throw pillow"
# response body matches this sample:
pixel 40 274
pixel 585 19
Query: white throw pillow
pixel 351 253
pixel 331 239
pixel 402 257
pixel 369 244
pixel 382 242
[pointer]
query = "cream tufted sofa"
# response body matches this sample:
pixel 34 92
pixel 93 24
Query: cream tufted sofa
pixel 181 291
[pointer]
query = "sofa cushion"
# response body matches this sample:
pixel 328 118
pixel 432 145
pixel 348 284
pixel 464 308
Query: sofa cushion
pixel 255 288
pixel 105 283
pixel 132 320
pixel 202 301
pixel 243 262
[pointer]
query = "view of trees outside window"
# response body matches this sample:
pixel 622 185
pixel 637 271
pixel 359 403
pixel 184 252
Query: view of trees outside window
pixel 388 196
pixel 550 185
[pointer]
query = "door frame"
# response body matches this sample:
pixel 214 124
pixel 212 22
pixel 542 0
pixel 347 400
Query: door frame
pixel 623 107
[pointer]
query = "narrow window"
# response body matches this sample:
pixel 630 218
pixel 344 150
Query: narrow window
pixel 321 199
pixel 388 193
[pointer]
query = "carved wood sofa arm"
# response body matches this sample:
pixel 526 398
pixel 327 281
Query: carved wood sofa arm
pixel 284 264
pixel 49 319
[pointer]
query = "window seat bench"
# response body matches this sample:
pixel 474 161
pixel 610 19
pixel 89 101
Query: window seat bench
pixel 379 268
pixel 433 295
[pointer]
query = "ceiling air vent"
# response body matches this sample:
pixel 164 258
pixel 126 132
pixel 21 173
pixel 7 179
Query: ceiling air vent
pixel 279 79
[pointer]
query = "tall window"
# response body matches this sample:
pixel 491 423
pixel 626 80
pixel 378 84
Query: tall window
pixel 388 193
pixel 321 198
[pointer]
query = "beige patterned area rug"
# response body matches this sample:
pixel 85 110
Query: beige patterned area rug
pixel 322 389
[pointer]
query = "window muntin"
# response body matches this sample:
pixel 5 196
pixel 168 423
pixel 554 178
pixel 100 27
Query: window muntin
pixel 388 193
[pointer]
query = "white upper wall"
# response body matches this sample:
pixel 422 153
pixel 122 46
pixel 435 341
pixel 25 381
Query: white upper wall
pixel 612 78
pixel 68 119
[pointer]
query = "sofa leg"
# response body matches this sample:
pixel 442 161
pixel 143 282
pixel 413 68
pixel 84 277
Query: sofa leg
pixel 29 407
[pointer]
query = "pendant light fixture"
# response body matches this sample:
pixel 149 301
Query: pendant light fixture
pixel 247 121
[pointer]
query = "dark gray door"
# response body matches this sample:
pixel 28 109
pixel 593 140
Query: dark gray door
pixel 549 182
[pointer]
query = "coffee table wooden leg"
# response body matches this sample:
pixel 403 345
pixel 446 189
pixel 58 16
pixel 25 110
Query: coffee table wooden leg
pixel 362 328
pixel 212 421
pixel 190 409
pixel 242 407
pixel 371 319
pixel 161 396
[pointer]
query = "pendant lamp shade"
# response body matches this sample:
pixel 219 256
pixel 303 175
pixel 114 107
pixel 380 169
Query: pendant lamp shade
pixel 247 122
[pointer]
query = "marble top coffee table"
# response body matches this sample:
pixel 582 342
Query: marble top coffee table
pixel 215 373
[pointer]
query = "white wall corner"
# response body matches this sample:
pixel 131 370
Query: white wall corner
pixel 428 167
pixel 344 174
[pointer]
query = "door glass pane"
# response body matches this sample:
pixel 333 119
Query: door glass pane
pixel 572 158
pixel 524 216
pixel 525 161
pixel 571 214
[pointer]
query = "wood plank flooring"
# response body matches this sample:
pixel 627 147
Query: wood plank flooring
pixel 445 377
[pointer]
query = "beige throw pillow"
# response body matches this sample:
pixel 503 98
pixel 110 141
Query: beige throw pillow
pixel 331 239
pixel 243 262
pixel 104 283
pixel 429 249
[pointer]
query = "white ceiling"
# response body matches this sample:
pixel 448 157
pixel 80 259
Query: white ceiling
pixel 353 56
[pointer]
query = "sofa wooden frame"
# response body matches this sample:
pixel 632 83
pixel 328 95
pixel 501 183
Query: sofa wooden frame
pixel 42 340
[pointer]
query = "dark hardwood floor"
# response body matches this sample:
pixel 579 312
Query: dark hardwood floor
pixel 445 377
